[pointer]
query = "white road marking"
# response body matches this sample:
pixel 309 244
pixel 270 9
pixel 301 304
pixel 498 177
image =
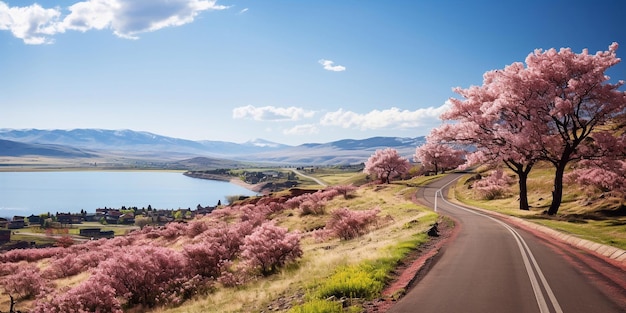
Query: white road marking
pixel 527 257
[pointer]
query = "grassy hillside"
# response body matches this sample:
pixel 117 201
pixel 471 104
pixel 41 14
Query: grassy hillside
pixel 589 214
pixel 403 223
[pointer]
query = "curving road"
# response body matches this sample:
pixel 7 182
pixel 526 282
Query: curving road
pixel 319 182
pixel 490 266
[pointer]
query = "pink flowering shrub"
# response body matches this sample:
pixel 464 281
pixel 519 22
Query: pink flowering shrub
pixel 270 247
pixel 206 259
pixel 347 224
pixel 145 275
pixel 494 186
pixel 345 190
pixel 25 282
pixel 314 203
pixel 195 228
pixel 29 255
pixel 89 296
pixel 606 178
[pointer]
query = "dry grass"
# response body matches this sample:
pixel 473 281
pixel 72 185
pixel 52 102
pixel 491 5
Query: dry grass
pixel 320 259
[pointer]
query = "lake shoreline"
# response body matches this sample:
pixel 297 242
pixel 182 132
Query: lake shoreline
pixel 36 192
pixel 258 188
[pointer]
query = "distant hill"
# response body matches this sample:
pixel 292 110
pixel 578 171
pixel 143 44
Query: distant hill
pixel 138 144
pixel 18 149
pixel 210 163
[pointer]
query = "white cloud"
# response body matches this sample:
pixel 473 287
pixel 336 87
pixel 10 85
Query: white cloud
pixel 126 18
pixel 271 113
pixel 306 129
pixel 243 11
pixel 389 118
pixel 328 65
pixel 33 23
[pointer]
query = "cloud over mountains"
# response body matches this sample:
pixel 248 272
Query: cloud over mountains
pixel 392 118
pixel 35 24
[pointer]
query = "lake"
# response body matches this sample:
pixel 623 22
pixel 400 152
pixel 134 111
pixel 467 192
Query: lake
pixel 25 193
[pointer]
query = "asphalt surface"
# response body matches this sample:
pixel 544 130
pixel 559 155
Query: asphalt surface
pixel 490 266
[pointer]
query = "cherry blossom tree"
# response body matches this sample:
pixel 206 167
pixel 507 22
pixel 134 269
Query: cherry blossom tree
pixel 495 119
pixel 574 100
pixel 387 164
pixel 545 110
pixel 438 157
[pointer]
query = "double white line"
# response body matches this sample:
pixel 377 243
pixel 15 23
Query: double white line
pixel 537 279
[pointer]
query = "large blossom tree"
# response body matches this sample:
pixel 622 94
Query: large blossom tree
pixel 387 164
pixel 549 109
pixel 575 102
pixel 495 119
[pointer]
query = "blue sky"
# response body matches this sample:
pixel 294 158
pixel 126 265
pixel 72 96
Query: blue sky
pixel 287 71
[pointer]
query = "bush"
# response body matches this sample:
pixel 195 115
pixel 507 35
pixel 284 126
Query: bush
pixel 146 275
pixel 494 186
pixel 270 247
pixel 347 224
pixel 25 283
pixel 355 281
pixel 90 296
pixel 318 306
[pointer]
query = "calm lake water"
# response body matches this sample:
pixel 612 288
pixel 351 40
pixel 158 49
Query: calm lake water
pixel 25 193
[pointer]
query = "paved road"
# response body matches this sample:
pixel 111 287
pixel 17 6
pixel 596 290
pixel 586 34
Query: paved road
pixel 319 182
pixel 490 266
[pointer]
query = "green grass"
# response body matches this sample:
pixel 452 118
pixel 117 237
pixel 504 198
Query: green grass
pixel 354 281
pixel 366 280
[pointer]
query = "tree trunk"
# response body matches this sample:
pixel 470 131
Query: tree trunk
pixel 522 171
pixel 523 190
pixel 557 193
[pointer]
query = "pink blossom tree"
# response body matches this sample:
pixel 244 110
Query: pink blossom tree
pixel 542 111
pixel 438 157
pixel 495 120
pixel 574 100
pixel 387 164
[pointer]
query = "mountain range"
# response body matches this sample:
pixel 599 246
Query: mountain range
pixel 139 145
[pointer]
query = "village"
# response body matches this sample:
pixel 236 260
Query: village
pixel 104 223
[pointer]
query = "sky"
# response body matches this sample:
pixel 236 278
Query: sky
pixel 286 71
